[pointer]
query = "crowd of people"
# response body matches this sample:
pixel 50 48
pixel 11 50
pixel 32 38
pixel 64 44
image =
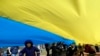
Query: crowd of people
pixel 28 50
pixel 54 49
pixel 61 49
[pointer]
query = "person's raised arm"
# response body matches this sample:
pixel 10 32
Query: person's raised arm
pixel 22 52
pixel 37 51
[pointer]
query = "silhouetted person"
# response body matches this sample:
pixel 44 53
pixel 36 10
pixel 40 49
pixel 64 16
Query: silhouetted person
pixel 54 50
pixel 47 47
pixel 81 49
pixel 8 53
pixel 72 50
pixel 60 47
pixel 64 50
pixel 97 48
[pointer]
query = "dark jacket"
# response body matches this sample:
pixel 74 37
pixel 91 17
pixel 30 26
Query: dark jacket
pixel 97 48
pixel 55 51
pixel 47 47
pixel 71 51
pixel 29 51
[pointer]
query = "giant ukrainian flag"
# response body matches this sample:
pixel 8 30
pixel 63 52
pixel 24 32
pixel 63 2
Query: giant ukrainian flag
pixel 61 19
